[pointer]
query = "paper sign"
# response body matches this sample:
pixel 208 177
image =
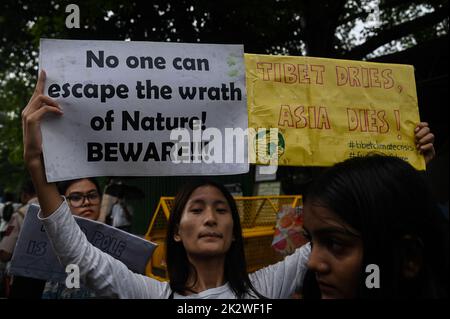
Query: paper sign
pixel 288 230
pixel 34 257
pixel 121 100
pixel 328 110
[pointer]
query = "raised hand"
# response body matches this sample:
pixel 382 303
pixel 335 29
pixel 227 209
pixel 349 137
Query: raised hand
pixel 32 115
pixel 424 141
pixel 38 106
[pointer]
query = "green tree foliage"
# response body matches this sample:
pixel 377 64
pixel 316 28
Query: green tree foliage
pixel 354 29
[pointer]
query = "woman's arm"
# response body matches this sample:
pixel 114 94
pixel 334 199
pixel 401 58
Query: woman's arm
pixel 100 272
pixel 105 275
pixel 32 115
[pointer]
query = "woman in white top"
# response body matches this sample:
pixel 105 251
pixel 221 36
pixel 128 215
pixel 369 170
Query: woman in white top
pixel 205 253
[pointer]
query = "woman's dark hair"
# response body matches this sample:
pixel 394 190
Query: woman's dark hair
pixel 178 266
pixel 8 211
pixel 390 204
pixel 64 185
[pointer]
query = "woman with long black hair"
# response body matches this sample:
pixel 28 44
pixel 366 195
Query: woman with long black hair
pixel 375 232
pixel 205 252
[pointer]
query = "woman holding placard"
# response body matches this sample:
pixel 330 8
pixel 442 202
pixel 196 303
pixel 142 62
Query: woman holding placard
pixel 205 246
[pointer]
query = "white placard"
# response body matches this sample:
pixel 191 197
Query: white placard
pixel 265 173
pixel 34 257
pixel 121 100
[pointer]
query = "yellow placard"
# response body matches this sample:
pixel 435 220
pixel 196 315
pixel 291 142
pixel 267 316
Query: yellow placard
pixel 328 110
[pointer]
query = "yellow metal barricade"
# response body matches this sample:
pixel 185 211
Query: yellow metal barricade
pixel 258 219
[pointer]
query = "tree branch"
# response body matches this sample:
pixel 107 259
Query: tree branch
pixel 396 32
pixel 385 5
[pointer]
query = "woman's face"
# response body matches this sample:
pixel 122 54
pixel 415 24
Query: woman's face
pixel 206 224
pixel 84 199
pixel 337 252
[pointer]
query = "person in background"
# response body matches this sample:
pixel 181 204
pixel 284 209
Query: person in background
pixel 7 210
pixel 11 234
pixel 122 215
pixel 83 196
pixel 115 210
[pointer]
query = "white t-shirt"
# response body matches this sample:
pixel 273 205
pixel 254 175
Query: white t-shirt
pixel 107 276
